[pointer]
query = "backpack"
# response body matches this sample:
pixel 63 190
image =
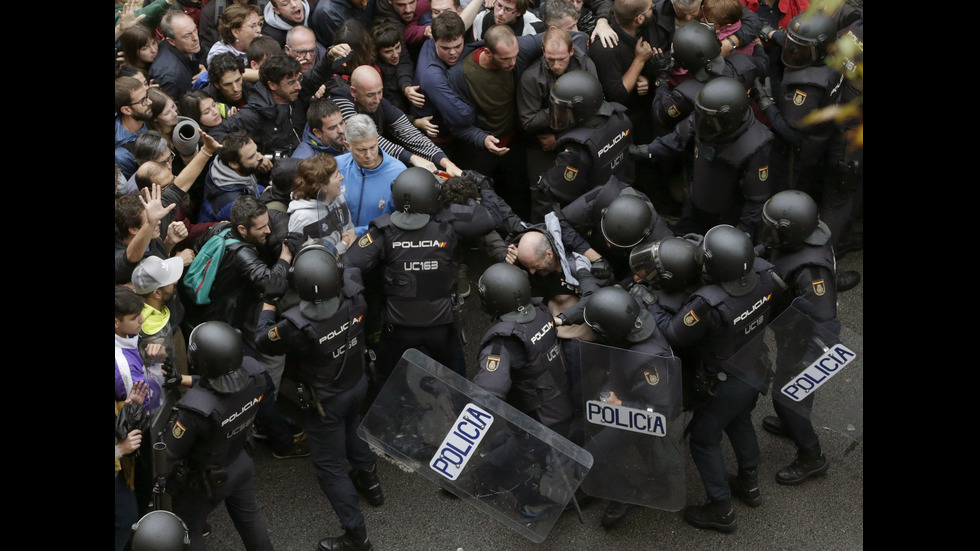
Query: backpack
pixel 200 275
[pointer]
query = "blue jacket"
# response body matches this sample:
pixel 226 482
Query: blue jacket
pixel 222 186
pixel 368 191
pixel 310 146
pixel 432 76
pixel 124 157
pixel 174 70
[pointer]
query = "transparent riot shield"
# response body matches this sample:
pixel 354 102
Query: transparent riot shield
pixel 497 459
pixel 638 445
pixel 818 370
pixel 332 216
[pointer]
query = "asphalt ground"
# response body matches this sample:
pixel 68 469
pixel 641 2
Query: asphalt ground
pixel 823 513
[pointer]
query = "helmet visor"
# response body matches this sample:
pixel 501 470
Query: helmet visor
pixel 643 261
pixel 562 116
pixel 707 123
pixel 798 53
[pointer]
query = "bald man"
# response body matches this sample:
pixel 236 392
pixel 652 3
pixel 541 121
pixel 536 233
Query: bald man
pixel 561 276
pixel 301 43
pixel 398 136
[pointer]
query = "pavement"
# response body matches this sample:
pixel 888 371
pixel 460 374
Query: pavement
pixel 823 513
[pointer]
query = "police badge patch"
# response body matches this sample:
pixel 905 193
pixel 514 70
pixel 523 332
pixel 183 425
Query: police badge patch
pixel 274 334
pixel 570 173
pixel 178 430
pixel 799 97
pixel 690 319
pixel 673 111
pixel 365 240
pixel 493 362
pixel 651 377
pixel 819 288
pixel 764 174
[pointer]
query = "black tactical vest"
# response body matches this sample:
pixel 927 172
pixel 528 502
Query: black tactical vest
pixel 419 273
pixel 607 147
pixel 543 377
pixel 231 415
pixel 334 361
pixel 718 170
pixel 742 317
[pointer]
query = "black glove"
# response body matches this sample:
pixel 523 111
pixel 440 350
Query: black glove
pixel 763 93
pixel 481 181
pixel 602 272
pixel 661 63
pixel 764 33
pixel 274 292
pixel 642 295
pixel 640 152
pixel 171 379
pixel 294 240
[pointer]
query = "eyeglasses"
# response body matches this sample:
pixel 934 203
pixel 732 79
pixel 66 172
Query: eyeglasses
pixel 145 100
pixel 504 9
pixel 302 53
pixel 254 26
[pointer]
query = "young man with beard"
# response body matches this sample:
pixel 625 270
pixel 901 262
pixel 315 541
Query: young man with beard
pixel 231 175
pixel 132 111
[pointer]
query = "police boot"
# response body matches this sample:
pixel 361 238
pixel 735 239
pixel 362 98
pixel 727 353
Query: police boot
pixel 745 486
pixel 775 426
pixel 615 512
pixel 368 485
pixel 807 463
pixel 353 539
pixel 847 280
pixel 714 515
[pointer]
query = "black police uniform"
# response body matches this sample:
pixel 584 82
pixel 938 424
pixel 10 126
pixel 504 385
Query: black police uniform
pixel 328 355
pixel 207 445
pixel 672 105
pixel 590 154
pixel 810 157
pixel 730 176
pixel 422 305
pixel 522 364
pixel 809 273
pixel 585 216
pixel 714 323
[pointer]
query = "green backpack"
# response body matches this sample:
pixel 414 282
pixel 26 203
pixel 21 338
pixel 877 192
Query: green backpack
pixel 201 273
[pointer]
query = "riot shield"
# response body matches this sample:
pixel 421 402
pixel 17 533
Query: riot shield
pixel 332 217
pixel 818 370
pixel 500 461
pixel 637 446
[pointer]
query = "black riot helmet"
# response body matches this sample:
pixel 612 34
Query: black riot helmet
pixel 721 107
pixel 160 531
pixel 726 256
pixel 668 262
pixel 626 221
pixel 791 220
pixel 315 274
pixel 697 48
pixel 615 316
pixel 214 348
pixel 576 96
pixel 807 37
pixel 416 193
pixel 505 289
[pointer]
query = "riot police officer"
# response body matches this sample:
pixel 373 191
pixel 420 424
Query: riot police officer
pixel 666 269
pixel 730 176
pixel 325 338
pixel 160 531
pixel 809 156
pixel 799 247
pixel 618 320
pixel 209 433
pixel 613 218
pixel 595 136
pixel 697 49
pixel 520 358
pixel 723 317
pixel 414 245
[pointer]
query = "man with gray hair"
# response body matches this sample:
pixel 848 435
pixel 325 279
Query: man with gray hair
pixel 368 172
pixel 178 62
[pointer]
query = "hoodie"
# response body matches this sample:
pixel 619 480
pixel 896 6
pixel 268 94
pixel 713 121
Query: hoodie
pixel 222 186
pixel 310 146
pixel 276 27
